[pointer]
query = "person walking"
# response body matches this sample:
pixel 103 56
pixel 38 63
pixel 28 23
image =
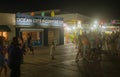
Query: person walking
pixel 118 45
pixel 29 44
pixel 79 52
pixel 22 46
pixel 52 50
pixel 14 58
pixel 86 45
pixel 3 57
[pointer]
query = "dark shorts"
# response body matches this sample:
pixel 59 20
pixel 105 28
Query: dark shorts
pixel 2 64
pixel 93 49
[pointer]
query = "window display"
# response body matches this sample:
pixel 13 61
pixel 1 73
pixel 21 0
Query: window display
pixel 35 37
pixel 4 34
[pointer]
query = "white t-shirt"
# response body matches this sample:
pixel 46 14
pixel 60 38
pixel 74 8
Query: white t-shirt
pixel 51 49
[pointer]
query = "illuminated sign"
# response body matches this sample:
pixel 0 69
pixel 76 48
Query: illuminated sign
pixel 115 21
pixel 27 20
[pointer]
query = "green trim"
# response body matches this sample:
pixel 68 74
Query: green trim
pixel 5 28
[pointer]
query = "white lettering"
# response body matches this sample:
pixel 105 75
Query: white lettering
pixel 39 21
pixel 24 20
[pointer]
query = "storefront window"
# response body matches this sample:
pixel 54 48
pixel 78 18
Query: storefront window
pixel 35 37
pixel 24 36
pixel 53 36
pixel 4 34
pixel 0 33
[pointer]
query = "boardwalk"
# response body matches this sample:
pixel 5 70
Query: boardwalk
pixel 64 65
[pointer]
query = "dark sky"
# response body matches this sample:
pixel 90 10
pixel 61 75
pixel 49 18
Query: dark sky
pixel 94 8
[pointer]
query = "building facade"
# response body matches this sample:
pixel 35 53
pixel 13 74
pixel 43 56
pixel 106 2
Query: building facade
pixel 43 29
pixel 74 25
pixel 7 26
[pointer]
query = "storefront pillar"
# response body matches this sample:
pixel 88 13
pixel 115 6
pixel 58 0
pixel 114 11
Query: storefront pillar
pixel 17 32
pixel 61 36
pixel 41 38
pixel 45 37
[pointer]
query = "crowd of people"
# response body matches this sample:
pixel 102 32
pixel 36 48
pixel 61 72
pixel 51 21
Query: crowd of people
pixel 11 55
pixel 92 44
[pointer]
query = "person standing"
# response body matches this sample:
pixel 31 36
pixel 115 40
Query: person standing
pixel 14 58
pixel 29 44
pixel 86 45
pixel 2 62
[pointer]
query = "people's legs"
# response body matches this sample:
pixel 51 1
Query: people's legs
pixel 5 70
pixel 15 72
pixel 23 51
pixel 28 50
pixel 118 50
pixel 0 71
pixel 84 49
pixel 99 54
pixel 113 48
pixel 106 46
pixel 51 53
pixel 89 53
pixel 92 53
pixel 77 55
pixel 12 74
pixel 32 50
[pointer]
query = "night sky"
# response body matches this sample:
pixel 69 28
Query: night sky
pixel 93 8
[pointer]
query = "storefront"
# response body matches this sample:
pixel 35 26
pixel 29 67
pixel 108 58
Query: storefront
pixel 4 29
pixel 74 24
pixel 7 28
pixel 43 30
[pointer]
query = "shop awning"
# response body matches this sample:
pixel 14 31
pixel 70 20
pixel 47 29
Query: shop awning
pixel 5 28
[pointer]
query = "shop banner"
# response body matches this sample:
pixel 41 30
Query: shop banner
pixel 28 20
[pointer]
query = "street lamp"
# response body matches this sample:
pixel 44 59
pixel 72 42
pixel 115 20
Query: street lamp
pixel 95 25
pixel 79 24
pixel 95 22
